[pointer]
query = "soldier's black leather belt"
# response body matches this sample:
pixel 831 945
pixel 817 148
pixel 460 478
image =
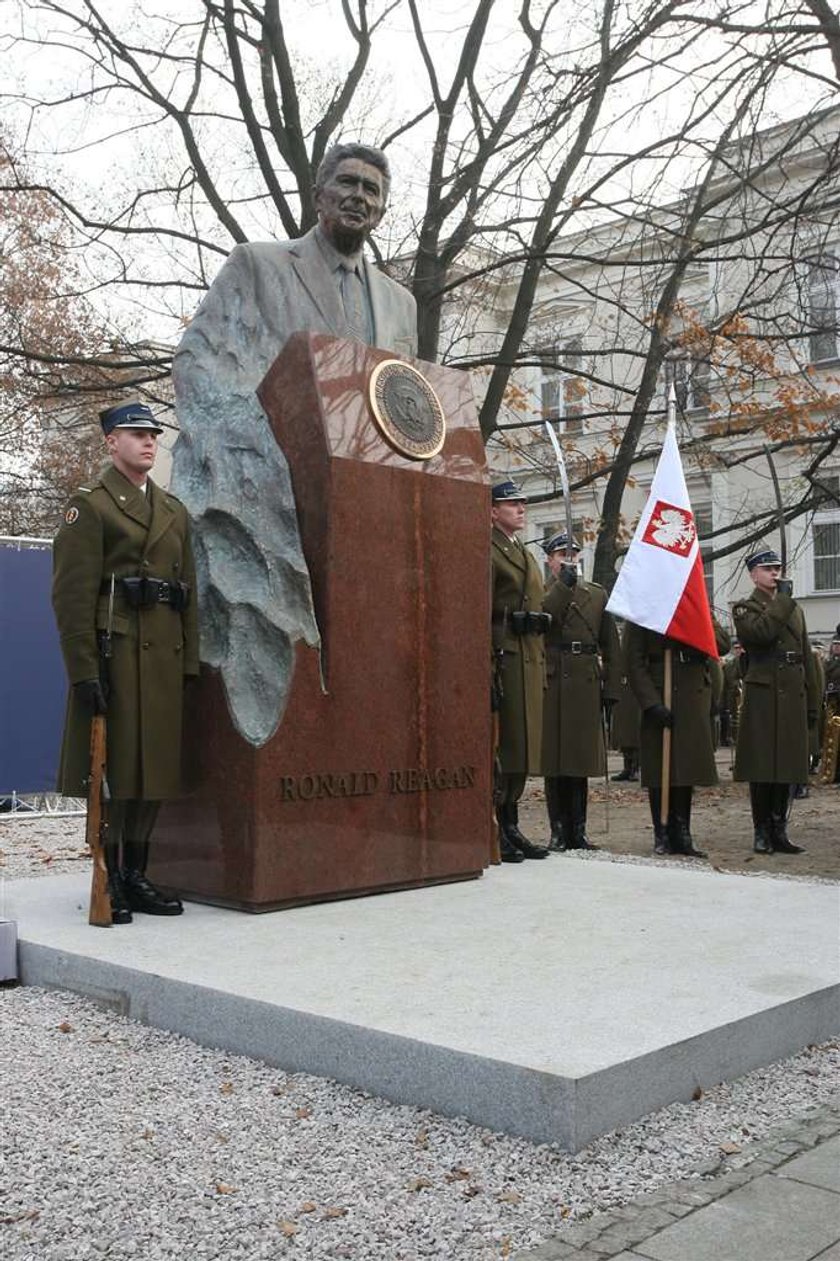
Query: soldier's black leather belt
pixel 576 647
pixel 145 593
pixel 523 622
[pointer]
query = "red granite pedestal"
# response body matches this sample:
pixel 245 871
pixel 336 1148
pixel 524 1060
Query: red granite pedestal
pixel 378 776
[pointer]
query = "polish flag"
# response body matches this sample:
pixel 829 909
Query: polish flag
pixel 660 585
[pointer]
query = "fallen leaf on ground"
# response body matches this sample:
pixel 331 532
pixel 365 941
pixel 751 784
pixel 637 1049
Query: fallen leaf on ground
pixel 509 1197
pixel 303 1113
pixel 307 1207
pixel 287 1228
pixel 226 1088
pixel 697 1093
pixel 417 1184
pixel 457 1174
pixel 729 1149
pixel 66 1027
pixel 335 1212
pixel 224 1188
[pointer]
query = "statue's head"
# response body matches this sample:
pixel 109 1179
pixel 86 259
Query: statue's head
pixel 351 192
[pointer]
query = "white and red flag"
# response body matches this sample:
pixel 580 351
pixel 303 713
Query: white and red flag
pixel 660 585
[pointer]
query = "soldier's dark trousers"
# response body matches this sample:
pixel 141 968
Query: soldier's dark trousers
pixel 555 807
pixel 132 824
pixel 761 802
pixel 630 770
pixel 120 909
pixel 660 833
pixel 513 844
pixel 673 836
pixel 567 798
pixel 769 804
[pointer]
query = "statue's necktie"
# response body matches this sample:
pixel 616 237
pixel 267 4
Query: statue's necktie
pixel 353 298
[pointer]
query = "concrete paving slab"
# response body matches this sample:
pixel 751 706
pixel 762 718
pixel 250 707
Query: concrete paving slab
pixel 770 1219
pixel 557 1000
pixel 819 1167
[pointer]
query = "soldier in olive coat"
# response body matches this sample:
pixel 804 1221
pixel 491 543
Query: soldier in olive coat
pixel 518 625
pixel 626 720
pixel 831 695
pixel 579 689
pixel 733 687
pixel 692 754
pixel 780 700
pixel 126 527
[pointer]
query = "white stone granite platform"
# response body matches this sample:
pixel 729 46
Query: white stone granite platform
pixel 556 1000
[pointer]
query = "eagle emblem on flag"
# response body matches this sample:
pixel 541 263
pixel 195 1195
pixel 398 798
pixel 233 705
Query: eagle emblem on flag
pixel 671 528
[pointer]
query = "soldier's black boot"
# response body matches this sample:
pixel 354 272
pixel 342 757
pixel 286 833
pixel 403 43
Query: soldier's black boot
pixel 579 791
pixel 780 797
pixel 760 797
pixel 564 798
pixel 627 770
pixel 553 802
pixel 679 823
pixel 660 832
pixel 525 847
pixel 630 771
pixel 120 910
pixel 507 850
pixel 142 895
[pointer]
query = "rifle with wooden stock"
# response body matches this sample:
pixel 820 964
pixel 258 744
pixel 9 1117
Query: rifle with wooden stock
pixel 96 826
pixel 496 764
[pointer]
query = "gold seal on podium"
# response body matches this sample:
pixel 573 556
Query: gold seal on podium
pixel 406 409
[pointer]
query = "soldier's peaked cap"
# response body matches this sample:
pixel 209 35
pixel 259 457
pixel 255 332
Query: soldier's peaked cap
pixel 557 543
pixel 508 490
pixel 767 556
pixel 128 416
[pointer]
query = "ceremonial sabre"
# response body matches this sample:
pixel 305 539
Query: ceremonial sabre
pixel 567 500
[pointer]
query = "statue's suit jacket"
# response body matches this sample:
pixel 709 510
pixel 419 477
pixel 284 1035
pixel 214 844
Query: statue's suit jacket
pixel 254 594
pixel 277 288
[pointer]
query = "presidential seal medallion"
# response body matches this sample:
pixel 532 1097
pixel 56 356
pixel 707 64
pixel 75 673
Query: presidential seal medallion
pixel 406 410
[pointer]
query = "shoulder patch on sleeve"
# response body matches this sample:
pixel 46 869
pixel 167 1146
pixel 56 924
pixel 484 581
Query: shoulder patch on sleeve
pixel 71 515
pixel 738 609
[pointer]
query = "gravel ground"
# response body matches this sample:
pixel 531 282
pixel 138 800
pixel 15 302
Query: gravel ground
pixel 122 1141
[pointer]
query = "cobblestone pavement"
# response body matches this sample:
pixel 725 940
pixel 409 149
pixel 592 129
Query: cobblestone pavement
pixel 782 1203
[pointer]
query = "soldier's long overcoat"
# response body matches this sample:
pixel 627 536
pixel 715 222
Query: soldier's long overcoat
pixel 627 716
pixel 573 734
pixel 517 585
pixel 779 691
pixel 692 753
pixel 113 528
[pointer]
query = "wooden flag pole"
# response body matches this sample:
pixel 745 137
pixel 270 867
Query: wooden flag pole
pixel 667 691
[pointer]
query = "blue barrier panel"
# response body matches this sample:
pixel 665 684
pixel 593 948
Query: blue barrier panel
pixel 33 685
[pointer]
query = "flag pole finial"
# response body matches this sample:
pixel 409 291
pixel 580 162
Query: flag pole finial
pixel 672 406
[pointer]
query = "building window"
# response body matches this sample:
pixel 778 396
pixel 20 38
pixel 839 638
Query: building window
pixel 561 390
pixel 690 378
pixel 823 294
pixel 825 536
